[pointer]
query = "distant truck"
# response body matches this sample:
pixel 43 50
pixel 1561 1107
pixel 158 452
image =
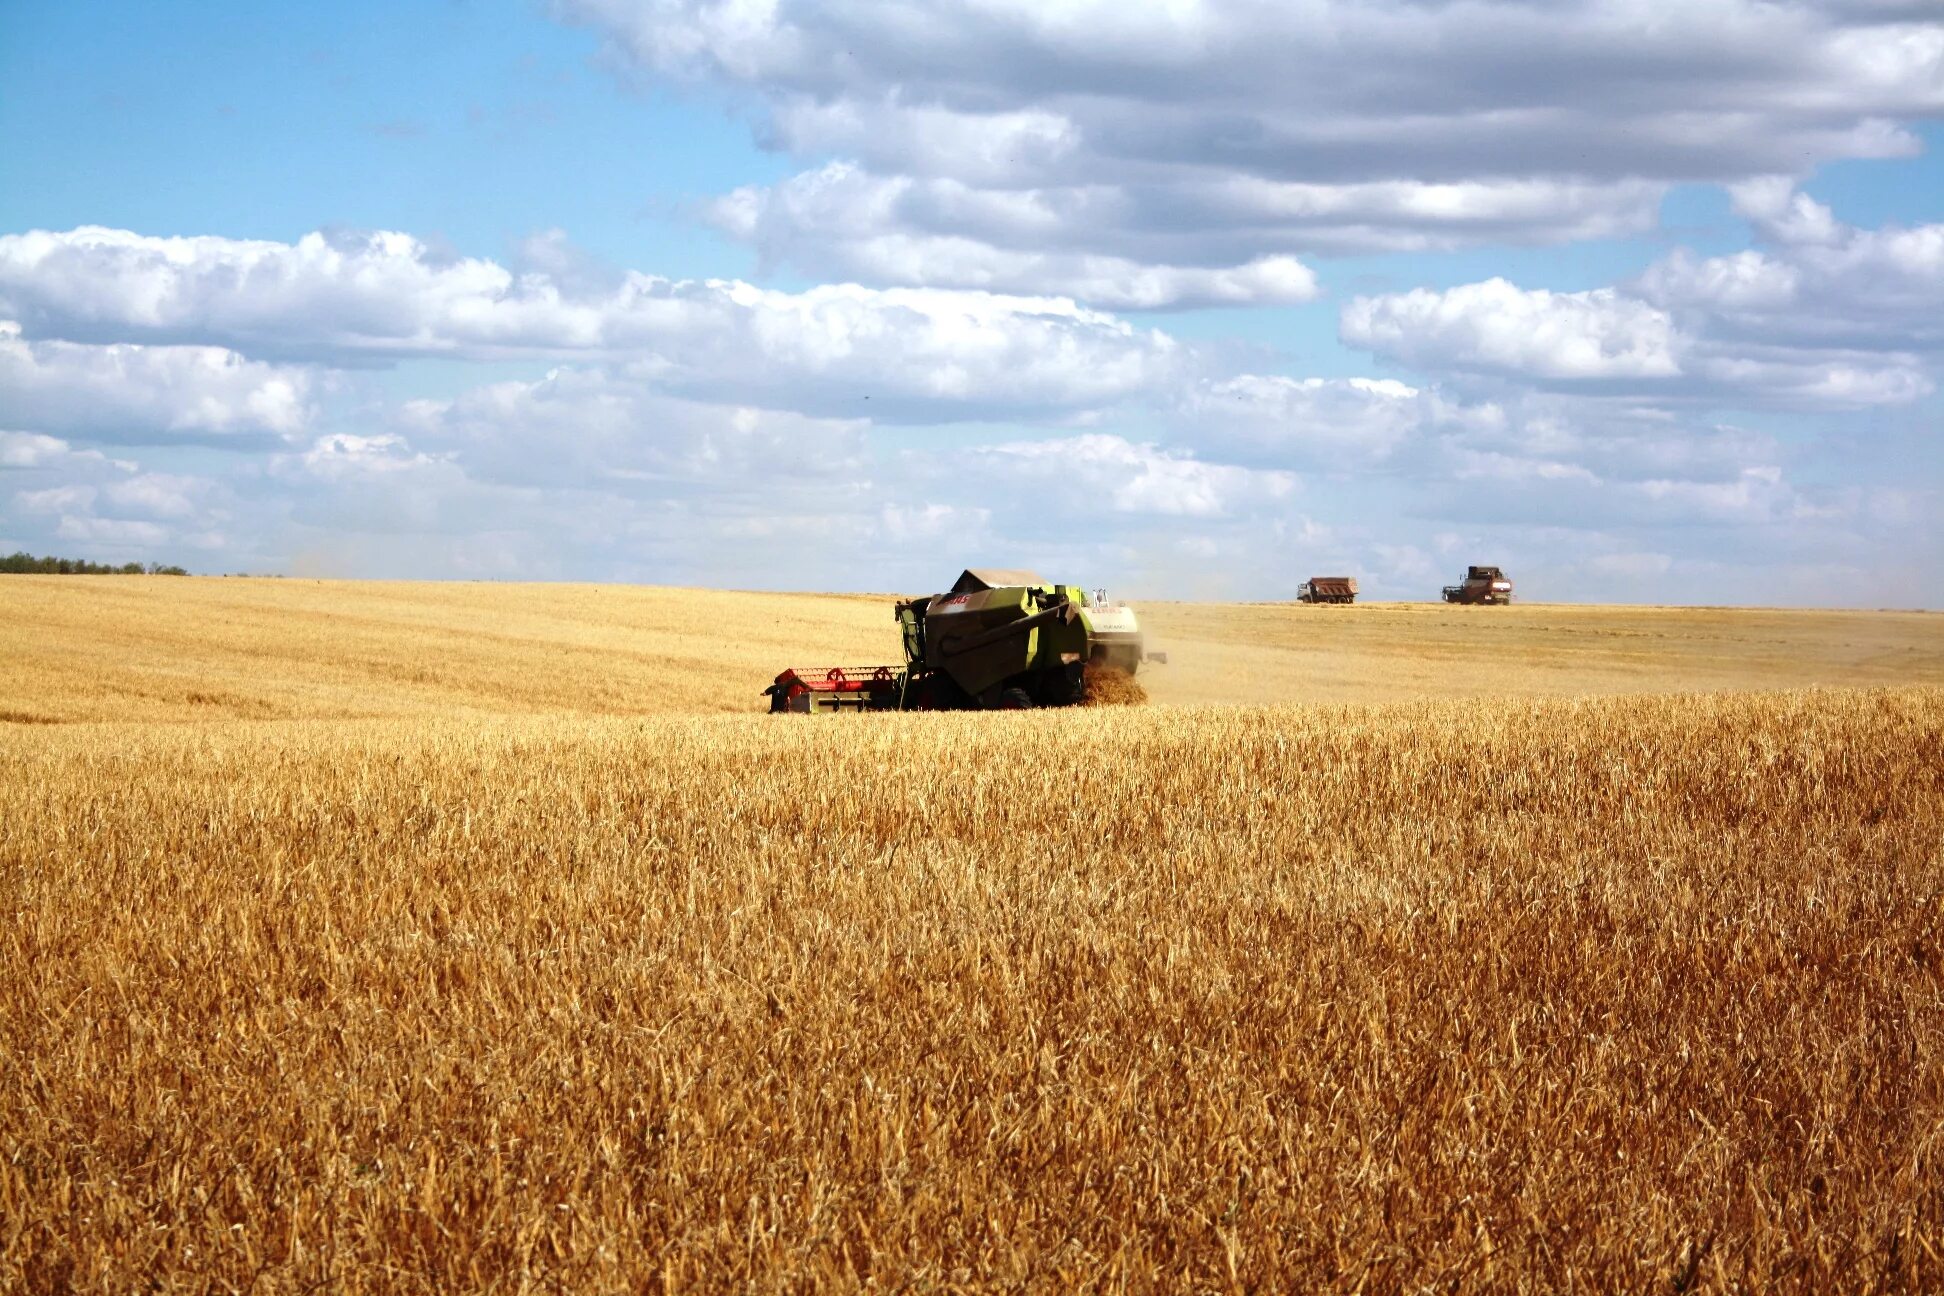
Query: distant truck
pixel 1481 585
pixel 1327 589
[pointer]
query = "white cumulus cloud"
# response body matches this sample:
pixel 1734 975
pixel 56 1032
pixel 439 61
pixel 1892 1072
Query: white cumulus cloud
pixel 1818 282
pixel 1098 473
pixel 977 142
pixel 147 394
pixel 1639 340
pixel 919 354
pixel 614 429
pixel 1499 326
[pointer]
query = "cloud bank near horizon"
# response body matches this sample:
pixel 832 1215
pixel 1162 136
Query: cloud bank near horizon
pixel 757 421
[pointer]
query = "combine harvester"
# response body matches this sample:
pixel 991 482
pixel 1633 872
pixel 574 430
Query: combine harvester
pixel 997 640
pixel 1483 585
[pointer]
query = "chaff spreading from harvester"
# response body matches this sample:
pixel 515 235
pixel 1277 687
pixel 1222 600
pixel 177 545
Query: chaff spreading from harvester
pixel 1112 686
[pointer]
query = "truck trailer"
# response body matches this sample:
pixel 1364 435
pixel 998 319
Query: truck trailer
pixel 1327 589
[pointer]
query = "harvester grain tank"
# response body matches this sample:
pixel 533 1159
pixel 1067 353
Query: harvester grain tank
pixel 1482 585
pixel 998 639
pixel 1327 589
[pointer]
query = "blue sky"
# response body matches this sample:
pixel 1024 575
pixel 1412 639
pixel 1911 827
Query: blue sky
pixel 1641 301
pixel 269 121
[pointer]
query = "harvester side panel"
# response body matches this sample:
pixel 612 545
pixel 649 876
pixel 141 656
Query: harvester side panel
pixel 985 639
pixel 952 621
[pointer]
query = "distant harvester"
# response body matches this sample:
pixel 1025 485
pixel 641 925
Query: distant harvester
pixel 1481 585
pixel 1327 589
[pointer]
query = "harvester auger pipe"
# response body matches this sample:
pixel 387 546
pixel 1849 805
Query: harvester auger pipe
pixel 959 645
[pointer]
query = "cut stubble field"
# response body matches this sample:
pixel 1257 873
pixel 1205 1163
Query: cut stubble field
pixel 366 938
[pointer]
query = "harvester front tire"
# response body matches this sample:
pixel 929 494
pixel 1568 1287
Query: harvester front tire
pixel 1015 699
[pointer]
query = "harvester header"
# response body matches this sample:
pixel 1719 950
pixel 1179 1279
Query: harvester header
pixel 998 639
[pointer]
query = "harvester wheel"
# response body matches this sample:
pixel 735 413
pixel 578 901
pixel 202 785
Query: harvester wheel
pixel 1015 699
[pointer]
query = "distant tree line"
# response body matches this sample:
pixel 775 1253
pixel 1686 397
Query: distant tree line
pixel 26 564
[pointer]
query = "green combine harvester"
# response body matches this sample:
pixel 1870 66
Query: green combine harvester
pixel 997 640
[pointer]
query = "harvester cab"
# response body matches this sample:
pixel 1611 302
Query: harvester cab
pixel 998 639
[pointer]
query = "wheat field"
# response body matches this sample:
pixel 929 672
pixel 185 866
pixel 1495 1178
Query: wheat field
pixel 195 649
pixel 438 938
